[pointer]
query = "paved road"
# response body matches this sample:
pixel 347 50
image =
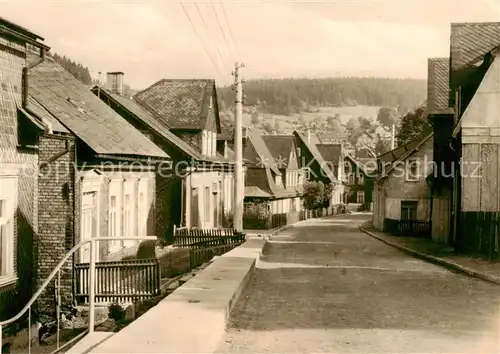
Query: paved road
pixel 326 287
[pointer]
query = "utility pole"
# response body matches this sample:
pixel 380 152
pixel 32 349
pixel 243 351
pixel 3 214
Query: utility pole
pixel 239 187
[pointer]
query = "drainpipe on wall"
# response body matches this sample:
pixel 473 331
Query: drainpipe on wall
pixel 25 98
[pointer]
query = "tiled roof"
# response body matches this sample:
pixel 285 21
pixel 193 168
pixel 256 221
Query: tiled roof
pixel 313 149
pixel 470 42
pixel 280 147
pixel 227 133
pixel 157 126
pixel 438 77
pixel 414 147
pixel 258 154
pixel 330 152
pixel 393 155
pixel 364 153
pixel 38 110
pixel 179 104
pixel 85 115
pixel 256 192
pixel 367 167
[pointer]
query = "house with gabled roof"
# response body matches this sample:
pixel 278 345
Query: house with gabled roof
pixel 114 178
pixel 25 141
pixel 315 167
pixel 474 97
pixel 359 177
pixel 401 193
pixel 272 175
pixel 182 118
pixel 62 154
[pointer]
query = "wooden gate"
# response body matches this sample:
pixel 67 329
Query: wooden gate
pixel 121 281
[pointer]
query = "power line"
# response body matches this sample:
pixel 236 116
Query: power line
pixel 224 62
pixel 223 32
pixel 201 40
pixel 230 31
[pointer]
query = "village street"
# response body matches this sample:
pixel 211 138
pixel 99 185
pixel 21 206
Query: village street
pixel 324 286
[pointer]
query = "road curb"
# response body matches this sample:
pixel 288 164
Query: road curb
pixel 437 260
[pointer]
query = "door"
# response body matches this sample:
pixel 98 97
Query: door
pixel 88 224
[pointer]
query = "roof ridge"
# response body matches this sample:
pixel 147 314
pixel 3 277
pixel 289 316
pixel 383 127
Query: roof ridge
pixel 461 24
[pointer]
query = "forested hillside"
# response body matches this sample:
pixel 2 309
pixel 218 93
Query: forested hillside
pixel 76 69
pixel 288 96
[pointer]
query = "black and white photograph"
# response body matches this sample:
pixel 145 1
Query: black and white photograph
pixel 249 176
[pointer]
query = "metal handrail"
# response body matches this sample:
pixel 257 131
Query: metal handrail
pixel 91 282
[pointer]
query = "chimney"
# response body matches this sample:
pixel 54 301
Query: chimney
pixel 308 135
pixel 393 137
pixel 114 82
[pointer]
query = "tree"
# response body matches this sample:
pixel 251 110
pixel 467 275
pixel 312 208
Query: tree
pixel 301 121
pixel 387 116
pixel 267 127
pixel 382 146
pixel 353 130
pixel 80 72
pixel 318 122
pixel 365 124
pixel 335 128
pixel 255 119
pixel 226 119
pixel 413 125
pixel 300 95
pixel 277 126
pixel 314 195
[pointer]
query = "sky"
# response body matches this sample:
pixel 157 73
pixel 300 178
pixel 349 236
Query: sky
pixel 150 40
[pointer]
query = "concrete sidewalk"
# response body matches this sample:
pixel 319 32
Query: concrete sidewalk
pixel 439 254
pixel 193 318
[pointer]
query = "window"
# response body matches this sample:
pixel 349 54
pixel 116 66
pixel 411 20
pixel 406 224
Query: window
pixel 207 204
pixel 351 178
pixel 114 214
pixel 127 216
pixel 129 210
pixel 214 143
pixel 113 230
pixel 195 216
pixel 307 173
pixel 361 178
pixel 360 197
pixel 142 208
pixel 409 209
pixel 221 204
pixel 8 205
pixel 412 168
pixel 278 180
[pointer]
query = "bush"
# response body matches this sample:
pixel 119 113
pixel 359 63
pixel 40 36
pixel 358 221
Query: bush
pixel 116 312
pixel 256 210
pixel 317 195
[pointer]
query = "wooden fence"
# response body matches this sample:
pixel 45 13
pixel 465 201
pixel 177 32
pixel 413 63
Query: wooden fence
pixel 204 244
pixel 479 233
pixel 121 281
pixel 200 238
pixel 279 220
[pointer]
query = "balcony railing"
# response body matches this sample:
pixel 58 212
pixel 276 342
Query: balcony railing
pixel 57 272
